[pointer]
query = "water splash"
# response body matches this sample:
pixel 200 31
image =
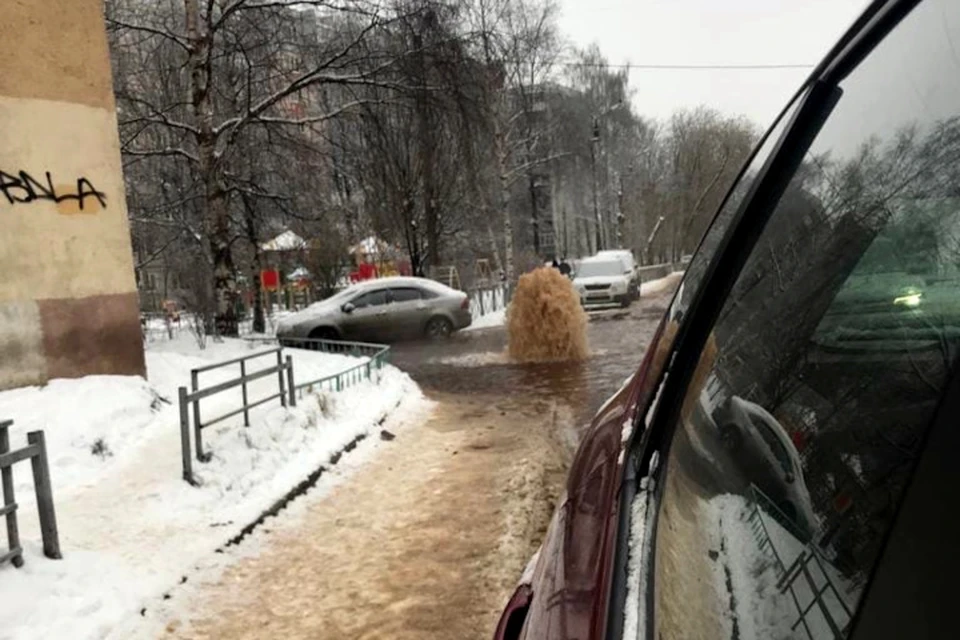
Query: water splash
pixel 545 321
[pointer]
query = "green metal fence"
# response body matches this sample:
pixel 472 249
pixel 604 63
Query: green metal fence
pixel 375 356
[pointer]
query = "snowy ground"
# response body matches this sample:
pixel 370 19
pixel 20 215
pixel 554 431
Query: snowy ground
pixel 130 528
pixel 495 319
pixel 660 285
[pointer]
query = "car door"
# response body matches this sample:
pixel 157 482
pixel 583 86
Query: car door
pixel 368 319
pixel 408 312
pixel 868 182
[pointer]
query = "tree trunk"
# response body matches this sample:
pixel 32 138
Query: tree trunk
pixel 507 226
pixel 256 266
pixel 503 199
pixel 534 219
pixel 427 150
pixel 217 218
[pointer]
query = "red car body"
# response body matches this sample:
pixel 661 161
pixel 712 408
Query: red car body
pixel 574 568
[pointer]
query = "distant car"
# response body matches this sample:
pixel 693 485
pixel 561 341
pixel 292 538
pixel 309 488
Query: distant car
pixel 382 310
pixel 766 455
pixel 629 264
pixel 605 280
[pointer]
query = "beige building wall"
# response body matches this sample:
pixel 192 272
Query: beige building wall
pixel 68 300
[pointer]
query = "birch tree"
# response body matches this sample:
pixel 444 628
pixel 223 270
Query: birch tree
pixel 244 66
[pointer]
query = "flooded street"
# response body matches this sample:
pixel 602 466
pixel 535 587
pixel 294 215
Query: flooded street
pixel 474 363
pixel 427 540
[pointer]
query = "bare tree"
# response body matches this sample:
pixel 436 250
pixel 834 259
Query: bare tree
pixel 250 66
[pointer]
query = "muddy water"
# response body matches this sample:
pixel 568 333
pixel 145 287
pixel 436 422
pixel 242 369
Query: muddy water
pixel 474 363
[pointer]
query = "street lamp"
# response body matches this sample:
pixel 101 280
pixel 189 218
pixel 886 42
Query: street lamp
pixel 594 144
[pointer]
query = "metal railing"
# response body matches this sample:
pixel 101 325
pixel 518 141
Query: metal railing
pixel 799 568
pixel 283 369
pixel 375 357
pixel 484 300
pixel 36 452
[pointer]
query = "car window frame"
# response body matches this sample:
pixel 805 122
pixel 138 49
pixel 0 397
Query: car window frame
pixel 817 98
pixel 386 298
pixel 392 297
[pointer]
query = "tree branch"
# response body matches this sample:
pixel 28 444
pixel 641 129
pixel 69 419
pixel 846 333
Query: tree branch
pixel 120 24
pixel 169 151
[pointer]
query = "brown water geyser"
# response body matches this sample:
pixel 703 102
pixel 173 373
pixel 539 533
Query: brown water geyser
pixel 545 321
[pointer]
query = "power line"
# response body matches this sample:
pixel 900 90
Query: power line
pixel 629 66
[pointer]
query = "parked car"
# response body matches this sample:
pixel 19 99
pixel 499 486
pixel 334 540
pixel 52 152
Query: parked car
pixel 602 280
pixel 766 454
pixel 382 310
pixel 657 534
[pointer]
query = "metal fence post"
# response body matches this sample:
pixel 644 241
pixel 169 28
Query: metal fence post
pixel 197 433
pixel 291 388
pixel 283 394
pixel 185 437
pixel 243 389
pixel 44 491
pixel 9 501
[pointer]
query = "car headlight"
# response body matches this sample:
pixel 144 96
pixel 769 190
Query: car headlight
pixel 619 287
pixel 909 299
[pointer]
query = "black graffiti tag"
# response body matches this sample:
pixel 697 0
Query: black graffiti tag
pixel 24 189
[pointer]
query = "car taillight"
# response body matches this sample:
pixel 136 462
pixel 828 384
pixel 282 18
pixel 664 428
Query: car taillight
pixel 466 303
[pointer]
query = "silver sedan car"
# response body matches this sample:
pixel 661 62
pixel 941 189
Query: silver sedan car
pixel 382 310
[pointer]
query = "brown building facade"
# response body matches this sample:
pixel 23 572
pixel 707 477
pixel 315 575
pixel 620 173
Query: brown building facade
pixel 68 300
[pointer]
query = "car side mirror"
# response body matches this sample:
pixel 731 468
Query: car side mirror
pixel 347 307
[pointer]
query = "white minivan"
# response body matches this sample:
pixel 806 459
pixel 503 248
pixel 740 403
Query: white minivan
pixel 629 264
pixel 606 279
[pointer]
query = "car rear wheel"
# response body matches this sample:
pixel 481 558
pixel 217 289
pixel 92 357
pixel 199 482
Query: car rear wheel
pixel 439 328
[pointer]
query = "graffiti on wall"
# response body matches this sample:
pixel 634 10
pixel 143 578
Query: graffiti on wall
pixel 79 197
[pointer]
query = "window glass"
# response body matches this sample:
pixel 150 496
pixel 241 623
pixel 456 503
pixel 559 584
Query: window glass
pixel 371 299
pixel 696 270
pixel 826 364
pixel 405 294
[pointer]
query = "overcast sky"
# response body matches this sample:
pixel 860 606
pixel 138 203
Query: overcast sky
pixel 699 32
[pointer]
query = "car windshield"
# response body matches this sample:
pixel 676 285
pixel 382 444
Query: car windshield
pixel 597 268
pixel 773 443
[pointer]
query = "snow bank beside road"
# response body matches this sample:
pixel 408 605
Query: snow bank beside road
pixel 495 319
pixel 660 285
pixel 130 528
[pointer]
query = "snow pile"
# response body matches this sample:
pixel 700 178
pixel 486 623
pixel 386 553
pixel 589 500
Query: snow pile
pixel 660 285
pixel 130 528
pixel 635 617
pixel 493 319
pixel 749 571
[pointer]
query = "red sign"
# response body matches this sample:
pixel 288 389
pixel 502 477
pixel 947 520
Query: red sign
pixel 270 280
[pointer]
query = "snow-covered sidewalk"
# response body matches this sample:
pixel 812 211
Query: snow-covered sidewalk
pixel 130 527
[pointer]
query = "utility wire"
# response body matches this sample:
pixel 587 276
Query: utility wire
pixel 600 65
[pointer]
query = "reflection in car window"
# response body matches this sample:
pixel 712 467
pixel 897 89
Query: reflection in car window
pixel 773 443
pixel 843 326
pixel 697 268
pixel 371 299
pixel 406 294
